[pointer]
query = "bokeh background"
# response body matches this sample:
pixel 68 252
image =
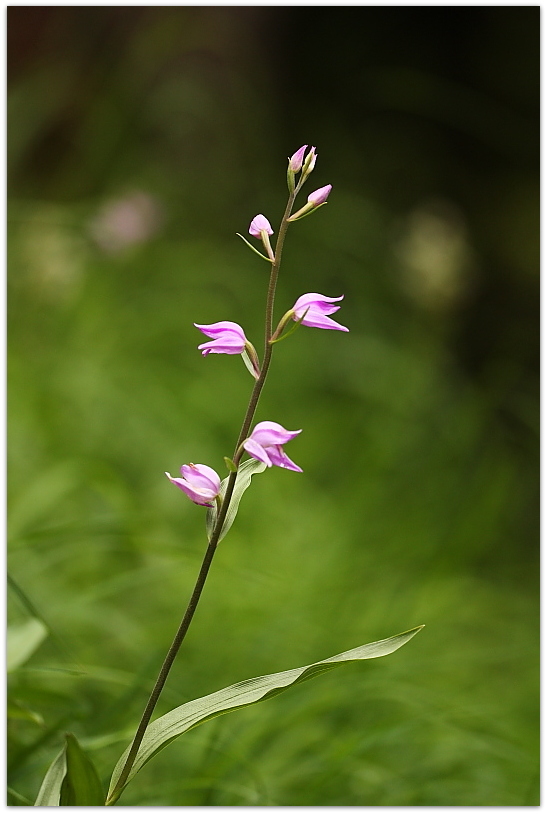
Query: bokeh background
pixel 141 139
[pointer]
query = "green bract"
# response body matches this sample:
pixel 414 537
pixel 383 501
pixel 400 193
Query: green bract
pixel 243 480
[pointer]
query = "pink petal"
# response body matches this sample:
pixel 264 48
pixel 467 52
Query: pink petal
pixel 315 319
pixel 295 161
pixel 217 328
pixel 260 224
pixel 308 299
pixel 270 433
pixel 320 195
pixel 256 451
pixel 201 476
pixel 280 458
pixel 222 345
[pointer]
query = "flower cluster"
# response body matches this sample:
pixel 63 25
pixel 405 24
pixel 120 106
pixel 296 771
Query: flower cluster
pixel 265 443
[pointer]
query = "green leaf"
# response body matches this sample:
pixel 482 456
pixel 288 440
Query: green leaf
pixel 18 711
pixel 165 729
pixel 20 800
pixel 71 780
pixel 23 639
pixel 243 480
pixel 81 785
pixel 50 790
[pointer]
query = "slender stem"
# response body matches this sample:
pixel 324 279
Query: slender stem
pixel 213 542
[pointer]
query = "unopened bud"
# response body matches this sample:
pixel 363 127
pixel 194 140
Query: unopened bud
pixel 295 162
pixel 320 195
pixel 309 163
pixel 260 224
pixel 315 200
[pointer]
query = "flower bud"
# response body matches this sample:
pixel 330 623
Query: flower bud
pixel 309 163
pixel 258 225
pixel 315 200
pixel 295 162
pixel 320 195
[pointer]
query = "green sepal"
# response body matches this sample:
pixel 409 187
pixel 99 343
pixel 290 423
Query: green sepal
pixel 263 256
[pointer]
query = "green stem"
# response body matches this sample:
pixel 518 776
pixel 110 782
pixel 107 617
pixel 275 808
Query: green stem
pixel 213 543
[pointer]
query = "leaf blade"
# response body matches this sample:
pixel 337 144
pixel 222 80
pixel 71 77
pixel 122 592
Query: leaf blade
pixel 22 640
pixel 251 691
pixel 50 790
pixel 81 785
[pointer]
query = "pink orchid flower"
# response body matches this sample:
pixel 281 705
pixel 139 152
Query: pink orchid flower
pixel 314 309
pixel 228 337
pixel 199 482
pixel 265 444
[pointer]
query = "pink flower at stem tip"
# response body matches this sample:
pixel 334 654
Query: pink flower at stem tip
pixel 295 161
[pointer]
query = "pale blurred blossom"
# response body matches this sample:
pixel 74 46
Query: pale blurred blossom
pixel 437 261
pixel 126 221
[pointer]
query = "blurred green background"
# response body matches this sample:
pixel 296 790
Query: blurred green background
pixel 140 140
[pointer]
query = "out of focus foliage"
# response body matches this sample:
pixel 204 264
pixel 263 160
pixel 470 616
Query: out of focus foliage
pixel 140 140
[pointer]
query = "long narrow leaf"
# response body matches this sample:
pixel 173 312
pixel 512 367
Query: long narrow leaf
pixel 22 640
pixel 50 790
pixel 71 780
pixel 244 474
pixel 165 729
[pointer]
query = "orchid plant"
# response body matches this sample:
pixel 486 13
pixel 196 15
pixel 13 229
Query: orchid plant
pixel 72 778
